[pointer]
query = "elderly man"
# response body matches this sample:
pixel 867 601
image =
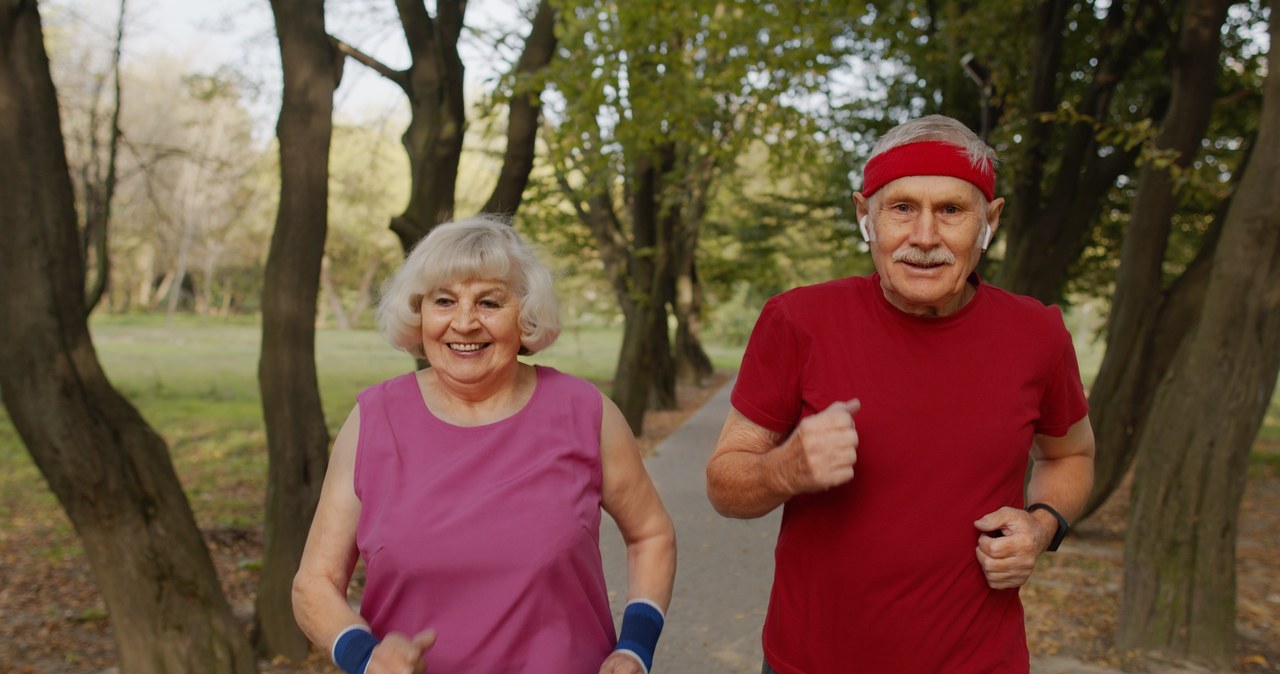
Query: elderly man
pixel 892 417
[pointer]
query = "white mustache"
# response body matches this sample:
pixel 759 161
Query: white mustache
pixel 918 256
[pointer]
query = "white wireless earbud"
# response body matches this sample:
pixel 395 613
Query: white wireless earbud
pixel 864 224
pixel 986 237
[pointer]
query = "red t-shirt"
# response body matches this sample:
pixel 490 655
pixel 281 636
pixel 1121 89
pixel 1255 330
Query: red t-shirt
pixel 880 574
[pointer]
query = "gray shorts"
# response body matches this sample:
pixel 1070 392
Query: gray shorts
pixel 766 669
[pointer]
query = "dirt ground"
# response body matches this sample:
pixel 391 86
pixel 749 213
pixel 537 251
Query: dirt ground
pixel 53 621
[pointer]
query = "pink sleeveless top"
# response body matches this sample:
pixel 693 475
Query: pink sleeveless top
pixel 489 534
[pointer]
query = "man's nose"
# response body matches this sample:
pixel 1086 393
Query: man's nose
pixel 924 231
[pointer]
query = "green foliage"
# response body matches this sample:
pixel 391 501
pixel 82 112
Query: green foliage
pixel 1204 187
pixel 735 97
pixel 778 232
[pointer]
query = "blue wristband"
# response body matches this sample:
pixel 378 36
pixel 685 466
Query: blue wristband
pixel 353 648
pixel 641 626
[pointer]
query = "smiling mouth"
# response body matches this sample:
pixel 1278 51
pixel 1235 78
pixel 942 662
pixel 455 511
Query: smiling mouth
pixel 924 265
pixel 466 348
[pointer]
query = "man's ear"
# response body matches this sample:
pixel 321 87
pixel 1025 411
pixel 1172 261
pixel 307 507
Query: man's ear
pixel 864 217
pixel 864 226
pixel 993 220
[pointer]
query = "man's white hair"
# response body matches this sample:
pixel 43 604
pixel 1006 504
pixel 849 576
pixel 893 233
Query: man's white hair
pixel 937 128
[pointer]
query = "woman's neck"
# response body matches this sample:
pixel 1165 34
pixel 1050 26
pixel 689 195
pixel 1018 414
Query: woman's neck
pixel 478 403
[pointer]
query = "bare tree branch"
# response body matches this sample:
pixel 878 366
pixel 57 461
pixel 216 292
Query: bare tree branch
pixel 399 77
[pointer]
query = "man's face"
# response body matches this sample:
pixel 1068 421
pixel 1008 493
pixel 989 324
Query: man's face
pixel 927 231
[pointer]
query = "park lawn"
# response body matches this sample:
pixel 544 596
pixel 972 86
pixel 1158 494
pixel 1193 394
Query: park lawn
pixel 195 380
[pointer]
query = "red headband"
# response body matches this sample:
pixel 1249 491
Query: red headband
pixel 928 158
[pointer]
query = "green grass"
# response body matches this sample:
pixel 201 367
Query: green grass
pixel 195 381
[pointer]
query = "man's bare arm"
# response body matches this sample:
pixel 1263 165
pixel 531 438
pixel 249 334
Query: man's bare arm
pixel 1062 474
pixel 751 472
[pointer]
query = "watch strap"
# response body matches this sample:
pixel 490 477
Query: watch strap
pixel 1063 526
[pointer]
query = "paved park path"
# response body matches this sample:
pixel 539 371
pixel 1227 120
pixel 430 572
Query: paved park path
pixel 725 566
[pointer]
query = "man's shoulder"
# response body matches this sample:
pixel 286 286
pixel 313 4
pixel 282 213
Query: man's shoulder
pixel 834 290
pixel 1024 310
pixel 1018 302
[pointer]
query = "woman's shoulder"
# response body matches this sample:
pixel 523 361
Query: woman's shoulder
pixel 388 387
pixel 563 383
pixel 569 391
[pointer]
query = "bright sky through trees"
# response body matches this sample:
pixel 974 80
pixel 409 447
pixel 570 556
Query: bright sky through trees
pixel 238 35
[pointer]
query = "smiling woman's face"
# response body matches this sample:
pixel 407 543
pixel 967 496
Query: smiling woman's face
pixel 471 330
pixel 927 241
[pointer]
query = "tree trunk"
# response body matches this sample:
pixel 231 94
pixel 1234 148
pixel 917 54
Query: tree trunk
pixel 107 467
pixel 433 141
pixel 524 114
pixel 179 276
pixel 1045 233
pixel 644 361
pixel 297 438
pixel 662 286
pixel 630 387
pixel 434 137
pixel 1132 364
pixel 692 363
pixel 1180 583
pixel 619 257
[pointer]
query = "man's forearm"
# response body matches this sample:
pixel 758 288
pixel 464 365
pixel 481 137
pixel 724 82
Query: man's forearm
pixel 745 485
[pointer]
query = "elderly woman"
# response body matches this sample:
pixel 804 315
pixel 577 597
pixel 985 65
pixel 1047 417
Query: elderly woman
pixel 472 489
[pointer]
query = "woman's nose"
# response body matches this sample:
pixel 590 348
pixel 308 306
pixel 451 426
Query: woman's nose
pixel 465 317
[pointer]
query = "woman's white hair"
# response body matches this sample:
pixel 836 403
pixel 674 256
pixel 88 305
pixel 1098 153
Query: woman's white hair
pixel 481 247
